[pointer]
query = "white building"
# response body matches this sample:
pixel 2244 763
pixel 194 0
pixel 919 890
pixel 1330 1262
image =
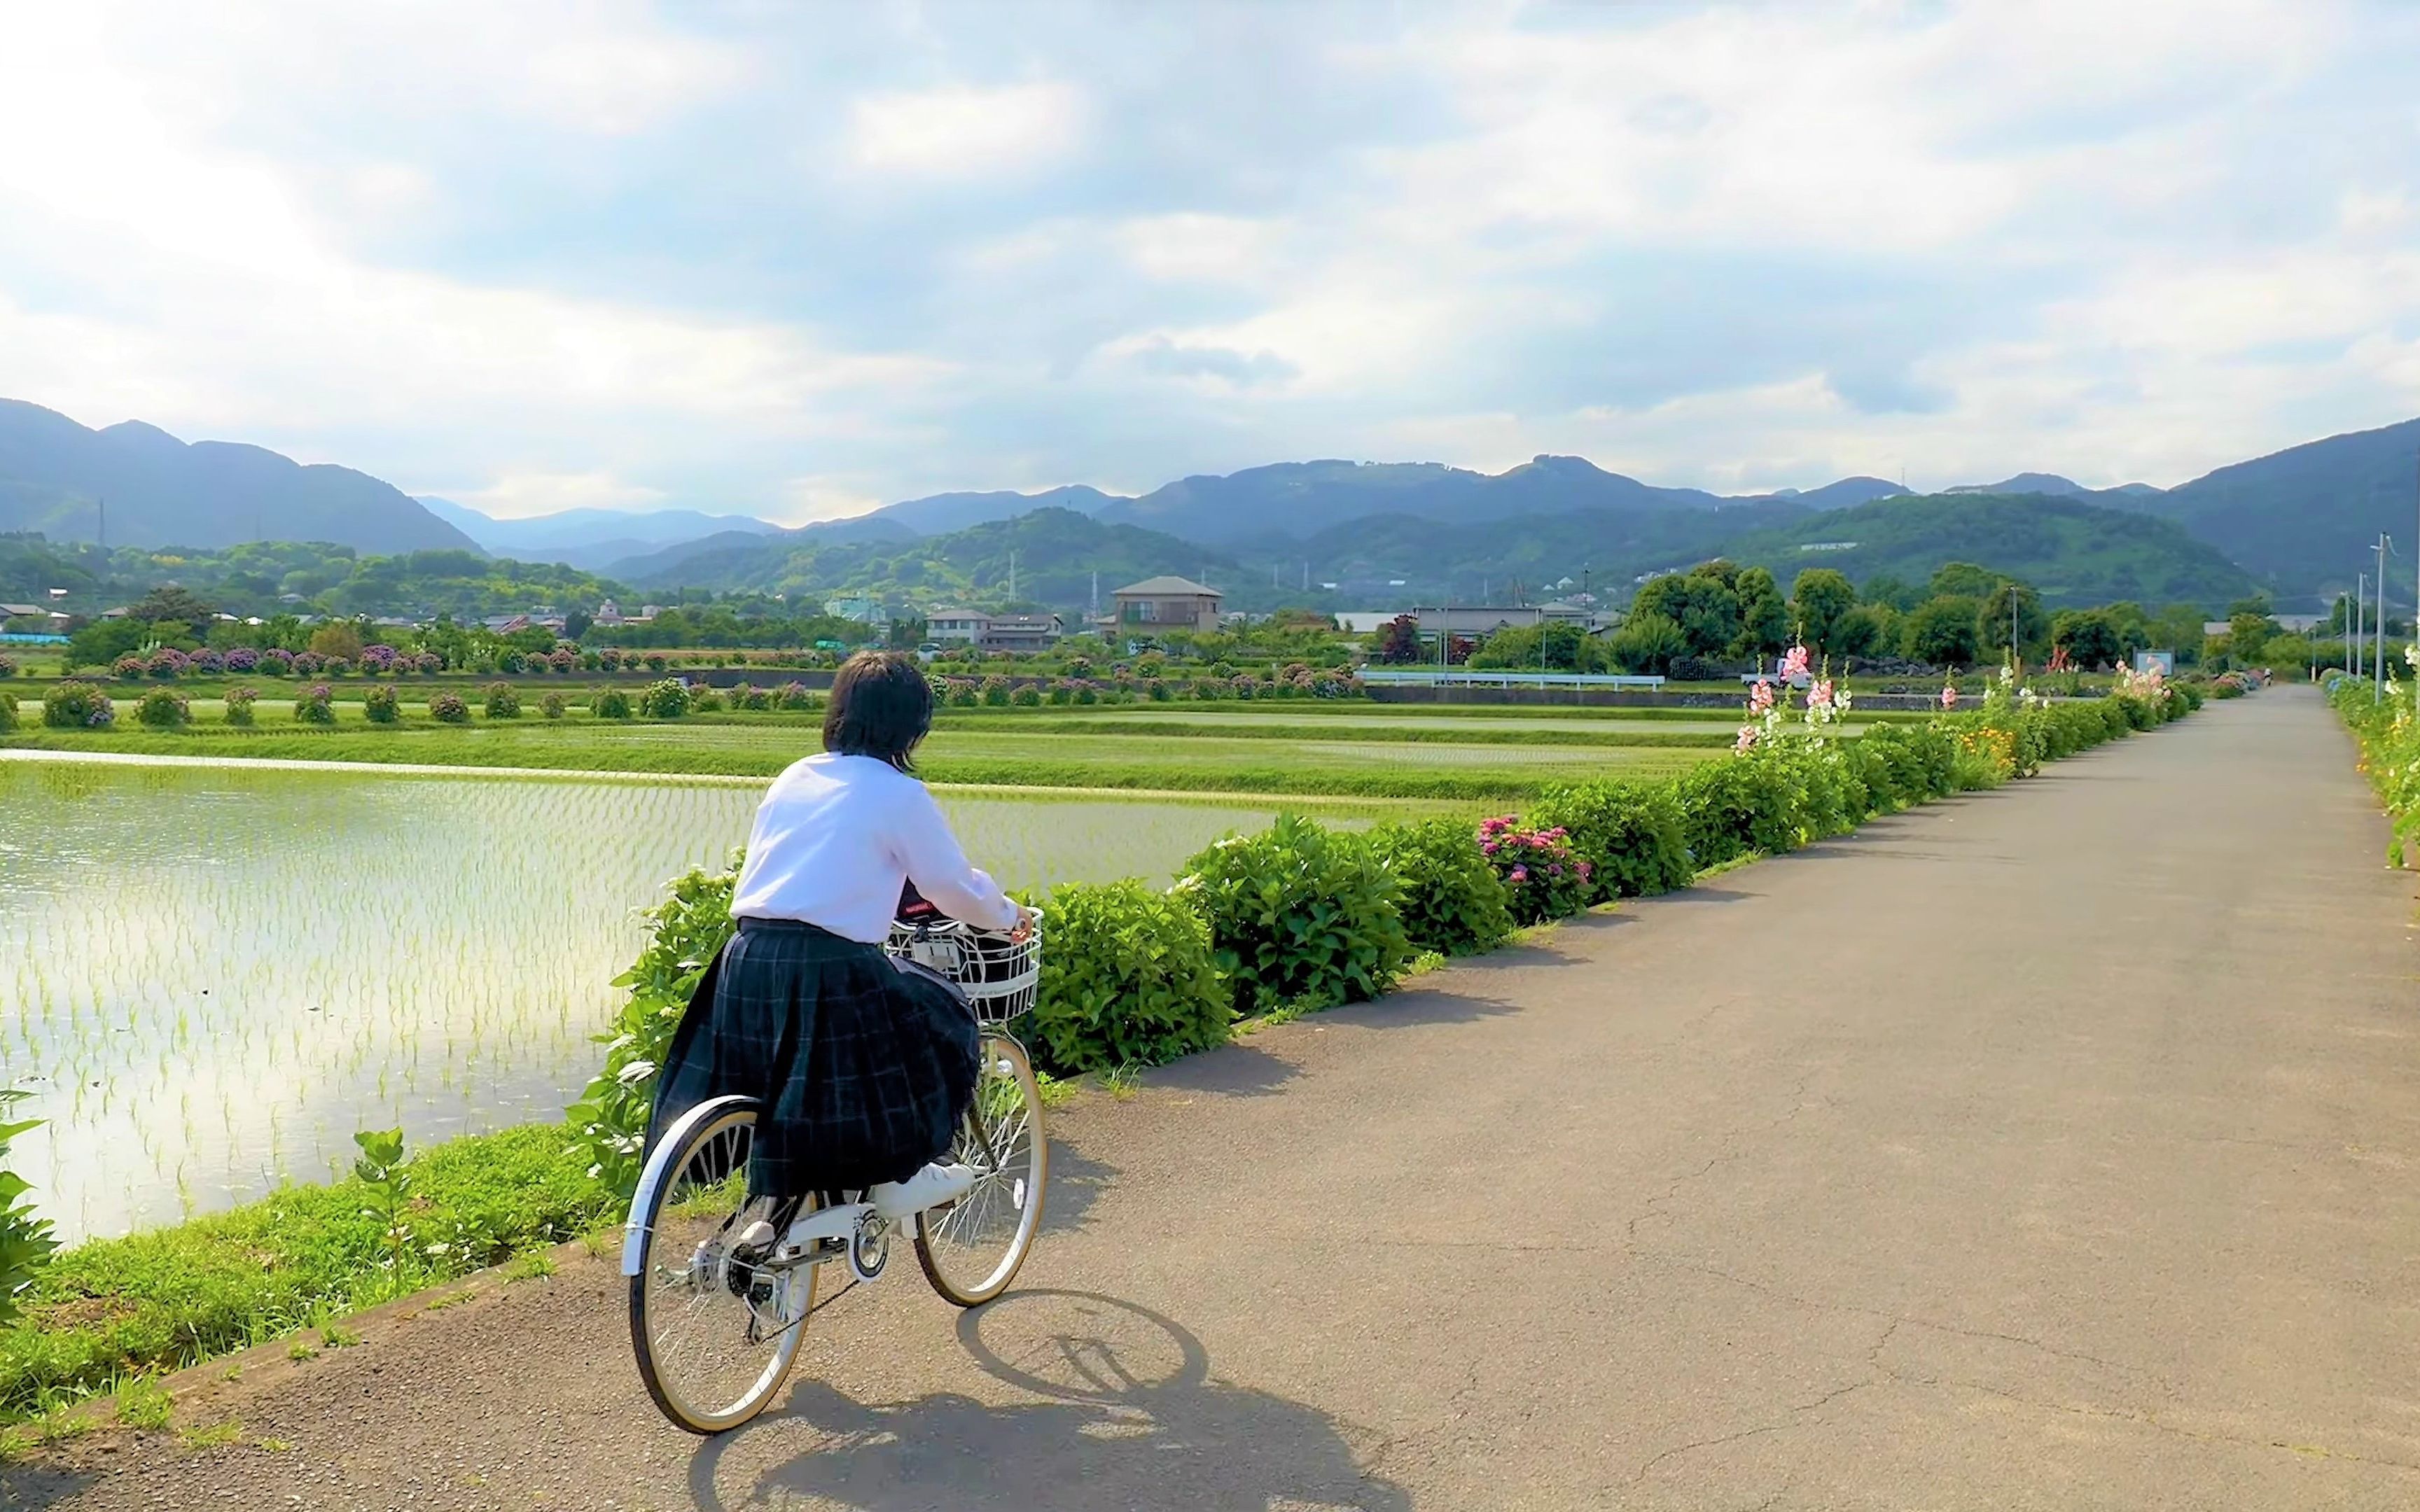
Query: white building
pixel 952 626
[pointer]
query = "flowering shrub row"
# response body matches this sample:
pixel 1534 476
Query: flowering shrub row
pixel 2386 727
pixel 1298 680
pixel 1301 916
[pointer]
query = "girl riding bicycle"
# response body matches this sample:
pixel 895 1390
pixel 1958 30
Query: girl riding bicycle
pixel 864 1071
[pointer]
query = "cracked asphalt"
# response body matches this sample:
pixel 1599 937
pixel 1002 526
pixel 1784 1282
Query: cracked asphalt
pixel 2049 1147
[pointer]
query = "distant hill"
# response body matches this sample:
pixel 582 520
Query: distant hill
pixel 941 512
pixel 1484 559
pixel 2052 484
pixel 588 538
pixel 1299 499
pixel 2074 552
pixel 1057 553
pixel 56 475
pixel 2303 519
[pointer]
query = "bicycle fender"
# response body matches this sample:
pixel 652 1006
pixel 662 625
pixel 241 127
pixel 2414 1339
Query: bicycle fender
pixel 658 1170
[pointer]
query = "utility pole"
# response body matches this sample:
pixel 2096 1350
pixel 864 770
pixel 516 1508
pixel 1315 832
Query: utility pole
pixel 2378 686
pixel 2349 623
pixel 100 531
pixel 2359 629
pixel 1012 574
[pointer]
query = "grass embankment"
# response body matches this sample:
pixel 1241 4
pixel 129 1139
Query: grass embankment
pixel 1373 763
pixel 161 1300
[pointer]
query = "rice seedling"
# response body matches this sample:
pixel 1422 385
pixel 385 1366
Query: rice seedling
pixel 210 977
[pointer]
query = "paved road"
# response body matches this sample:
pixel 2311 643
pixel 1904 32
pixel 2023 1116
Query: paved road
pixel 2053 1148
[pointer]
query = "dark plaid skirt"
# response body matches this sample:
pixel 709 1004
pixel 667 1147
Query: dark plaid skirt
pixel 864 1071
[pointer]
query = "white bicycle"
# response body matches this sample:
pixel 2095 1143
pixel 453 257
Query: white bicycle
pixel 715 1331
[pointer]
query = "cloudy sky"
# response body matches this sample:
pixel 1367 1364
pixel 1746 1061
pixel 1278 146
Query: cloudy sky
pixel 801 259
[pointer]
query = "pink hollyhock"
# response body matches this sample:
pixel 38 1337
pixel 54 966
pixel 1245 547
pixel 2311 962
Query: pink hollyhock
pixel 1949 695
pixel 1793 663
pixel 1759 698
pixel 1746 738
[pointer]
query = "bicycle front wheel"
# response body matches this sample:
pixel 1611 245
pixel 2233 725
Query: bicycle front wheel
pixel 971 1249
pixel 714 1333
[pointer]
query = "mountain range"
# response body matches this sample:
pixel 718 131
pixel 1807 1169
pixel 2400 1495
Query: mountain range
pixel 136 484
pixel 2295 523
pixel 588 538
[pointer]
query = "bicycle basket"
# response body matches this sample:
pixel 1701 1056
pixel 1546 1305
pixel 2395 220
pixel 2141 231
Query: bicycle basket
pixel 999 976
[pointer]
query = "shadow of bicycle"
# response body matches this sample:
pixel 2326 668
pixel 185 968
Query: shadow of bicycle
pixel 1120 1412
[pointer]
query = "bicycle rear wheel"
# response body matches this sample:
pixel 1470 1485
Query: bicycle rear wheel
pixel 714 1335
pixel 971 1249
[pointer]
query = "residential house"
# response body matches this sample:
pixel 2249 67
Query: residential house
pixel 1021 632
pixel 1164 604
pixel 950 625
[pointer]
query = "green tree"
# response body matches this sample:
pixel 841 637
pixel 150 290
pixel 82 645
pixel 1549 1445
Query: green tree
pixel 2178 628
pixel 1552 647
pixel 1884 588
pixel 338 638
pixel 2089 636
pixel 1961 579
pixel 171 606
pixel 1816 601
pixel 1941 631
pixel 2032 623
pixel 1764 618
pixel 2248 633
pixel 1646 644
pixel 1700 603
pixel 1867 630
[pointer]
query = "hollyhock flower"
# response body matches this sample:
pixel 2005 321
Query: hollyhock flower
pixel 1793 663
pixel 1949 695
pixel 1759 698
pixel 1746 739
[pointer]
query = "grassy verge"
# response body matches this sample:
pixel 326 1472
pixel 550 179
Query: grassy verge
pixel 1034 758
pixel 114 1310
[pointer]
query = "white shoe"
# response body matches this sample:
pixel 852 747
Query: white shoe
pixel 755 1227
pixel 928 1188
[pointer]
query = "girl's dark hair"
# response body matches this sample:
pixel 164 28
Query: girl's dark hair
pixel 881 706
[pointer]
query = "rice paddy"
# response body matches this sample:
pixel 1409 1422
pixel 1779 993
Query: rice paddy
pixel 212 975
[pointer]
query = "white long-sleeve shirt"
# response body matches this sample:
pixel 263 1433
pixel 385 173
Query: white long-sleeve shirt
pixel 837 835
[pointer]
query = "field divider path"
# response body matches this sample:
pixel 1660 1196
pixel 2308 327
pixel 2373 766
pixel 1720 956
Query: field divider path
pixel 2045 1148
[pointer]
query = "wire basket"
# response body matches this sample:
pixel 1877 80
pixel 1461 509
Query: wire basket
pixel 999 976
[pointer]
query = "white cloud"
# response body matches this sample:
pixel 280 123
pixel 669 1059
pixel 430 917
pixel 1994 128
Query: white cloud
pixel 516 495
pixel 958 132
pixel 562 247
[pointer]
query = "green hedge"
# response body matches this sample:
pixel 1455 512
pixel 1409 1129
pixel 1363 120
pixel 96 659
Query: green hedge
pixel 1299 914
pixel 1633 835
pixel 1129 978
pixel 1453 901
